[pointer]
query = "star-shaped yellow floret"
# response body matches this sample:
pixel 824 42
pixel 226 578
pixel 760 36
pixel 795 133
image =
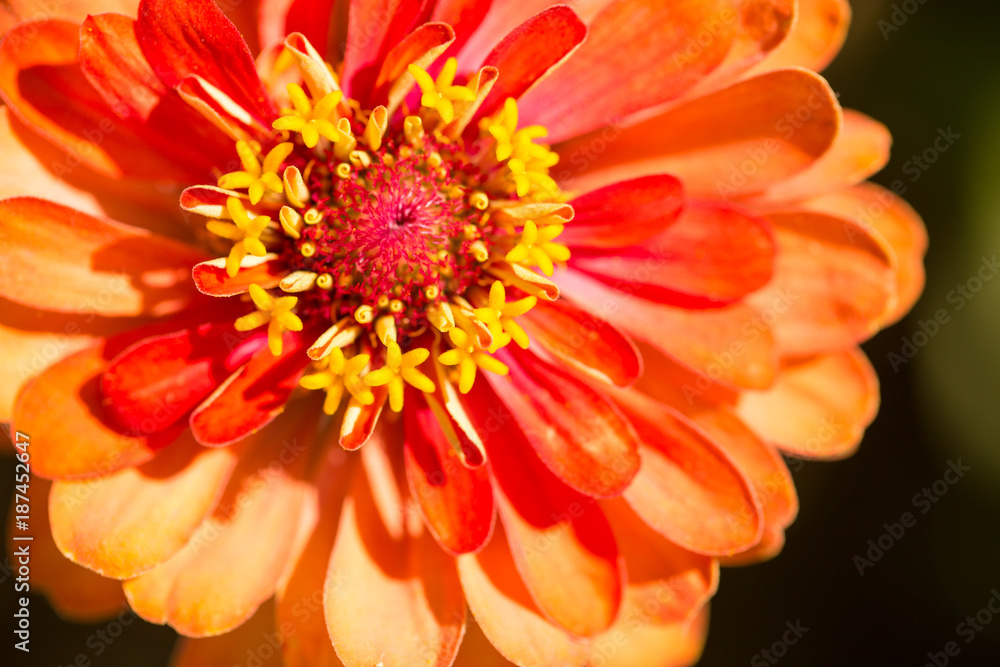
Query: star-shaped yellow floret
pixel 400 368
pixel 502 127
pixel 257 178
pixel 309 121
pixel 335 373
pixel 244 231
pixel 531 174
pixel 468 358
pixel 275 313
pixel 441 95
pixel 498 316
pixel 536 244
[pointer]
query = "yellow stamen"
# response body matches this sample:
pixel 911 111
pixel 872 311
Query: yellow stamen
pixel 335 373
pixel 441 95
pixel 401 369
pixel 244 231
pixel 296 191
pixel 375 129
pixel 275 312
pixel 291 221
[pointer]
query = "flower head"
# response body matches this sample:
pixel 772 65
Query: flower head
pixel 599 279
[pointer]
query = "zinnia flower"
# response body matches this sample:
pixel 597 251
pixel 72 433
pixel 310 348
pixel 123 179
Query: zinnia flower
pixel 501 307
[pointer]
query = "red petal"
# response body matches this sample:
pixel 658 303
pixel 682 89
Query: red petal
pixel 42 83
pixel 184 37
pixel 360 420
pixel 508 615
pixel 732 142
pixel 624 214
pixel 455 500
pixel 818 408
pixel 730 345
pixel 833 283
pixel 233 562
pixel 279 18
pixel 583 341
pixel 252 397
pixel 426 43
pixel 688 489
pixel 462 15
pixel 157 381
pixel 561 541
pixel 573 428
pixel 712 255
pixel 374 27
pixel 212 278
pixel 529 52
pixel 126 523
pixel 13 12
pixel 59 259
pixel 386 571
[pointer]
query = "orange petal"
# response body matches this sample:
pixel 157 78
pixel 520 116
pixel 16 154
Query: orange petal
pixel 387 571
pixel 623 214
pixel 819 31
pixel 130 521
pixel 260 639
pixel 456 500
pixel 75 592
pixel 59 259
pixel 646 645
pixel 712 255
pixel 860 150
pixel 689 490
pixel 833 284
pixel 666 583
pixel 894 223
pixel 584 342
pixel 212 278
pixel 508 616
pixel 731 345
pixel 530 51
pixel 299 609
pixel 477 651
pixel 13 12
pixel 560 539
pixel 573 428
pixel 374 27
pixel 423 45
pixel 770 545
pixel 818 408
pixel 234 560
pixel 736 141
pixel 624 66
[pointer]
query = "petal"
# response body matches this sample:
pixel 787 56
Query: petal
pixel 130 521
pixel 624 214
pixel 647 645
pixel 477 651
pixel 374 27
pixel 561 541
pixel 688 489
pixel 464 16
pixel 385 569
pixel 625 67
pixel 456 501
pixel 818 408
pixel 508 616
pixel 583 341
pixel 312 18
pixel 573 428
pixel 252 397
pixel 13 12
pixel 184 37
pixel 258 635
pixel 160 379
pixel 735 141
pixel 712 255
pixel 894 223
pixel 833 284
pixel 234 560
pixel 816 37
pixel 730 345
pixel 861 150
pixel 421 47
pixel 42 83
pixel 114 65
pixel 76 593
pixel 212 278
pixel 530 51
pixel 666 583
pixel 56 258
pixel 300 597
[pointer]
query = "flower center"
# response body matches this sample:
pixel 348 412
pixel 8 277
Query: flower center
pixel 394 234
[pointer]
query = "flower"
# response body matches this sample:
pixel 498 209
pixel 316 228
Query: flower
pixel 660 205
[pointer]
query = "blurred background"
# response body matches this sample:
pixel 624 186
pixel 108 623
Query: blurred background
pixel 939 70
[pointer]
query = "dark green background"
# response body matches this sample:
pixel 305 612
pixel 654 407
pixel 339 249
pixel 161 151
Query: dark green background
pixel 941 69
